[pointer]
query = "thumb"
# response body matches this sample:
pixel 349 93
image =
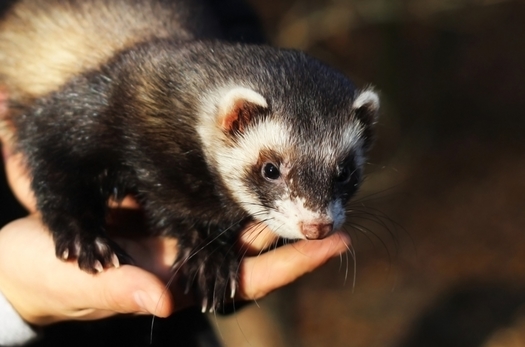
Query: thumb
pixel 44 289
pixel 130 289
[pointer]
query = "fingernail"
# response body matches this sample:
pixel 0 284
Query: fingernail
pixel 143 300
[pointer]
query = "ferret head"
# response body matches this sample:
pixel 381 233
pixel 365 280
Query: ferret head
pixel 293 168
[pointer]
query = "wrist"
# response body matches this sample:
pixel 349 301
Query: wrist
pixel 13 329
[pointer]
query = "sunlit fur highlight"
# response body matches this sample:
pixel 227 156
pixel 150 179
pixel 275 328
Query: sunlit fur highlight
pixel 72 43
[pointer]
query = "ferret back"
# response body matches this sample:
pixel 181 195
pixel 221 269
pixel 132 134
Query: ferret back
pixel 43 43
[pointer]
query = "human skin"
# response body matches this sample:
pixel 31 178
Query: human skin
pixel 44 289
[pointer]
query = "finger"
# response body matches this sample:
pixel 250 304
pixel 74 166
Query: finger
pixel 153 254
pixel 18 178
pixel 128 202
pixel 127 289
pixel 262 274
pixel 255 238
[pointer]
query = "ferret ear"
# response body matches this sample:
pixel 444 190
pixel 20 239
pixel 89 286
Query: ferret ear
pixel 237 108
pixel 366 107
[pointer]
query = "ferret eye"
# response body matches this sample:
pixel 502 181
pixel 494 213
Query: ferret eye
pixel 270 172
pixel 346 173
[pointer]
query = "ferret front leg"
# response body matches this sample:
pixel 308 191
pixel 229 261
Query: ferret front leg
pixel 210 265
pixel 73 207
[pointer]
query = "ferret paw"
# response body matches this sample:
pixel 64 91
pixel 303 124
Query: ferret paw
pixel 93 255
pixel 214 276
pixel 220 297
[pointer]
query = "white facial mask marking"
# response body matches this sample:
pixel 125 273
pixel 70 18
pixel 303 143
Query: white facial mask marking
pixel 275 136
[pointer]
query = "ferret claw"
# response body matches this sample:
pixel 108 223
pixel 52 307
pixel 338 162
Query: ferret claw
pixel 65 254
pixel 204 305
pixel 233 290
pixel 115 261
pixel 98 266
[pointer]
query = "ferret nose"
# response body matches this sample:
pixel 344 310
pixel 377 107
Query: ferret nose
pixel 315 231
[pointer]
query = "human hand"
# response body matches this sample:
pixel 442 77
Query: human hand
pixel 44 289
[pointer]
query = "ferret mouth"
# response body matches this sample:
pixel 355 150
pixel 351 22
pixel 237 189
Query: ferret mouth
pixel 305 229
pixel 291 219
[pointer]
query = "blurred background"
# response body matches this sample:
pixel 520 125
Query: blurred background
pixel 439 226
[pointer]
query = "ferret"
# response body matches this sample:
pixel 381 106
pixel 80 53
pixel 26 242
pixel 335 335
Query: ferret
pixel 145 97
